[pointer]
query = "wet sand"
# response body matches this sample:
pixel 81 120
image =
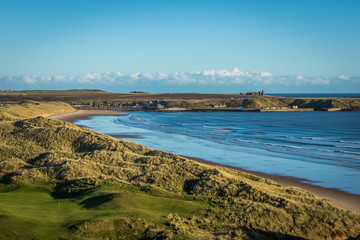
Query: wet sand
pixel 339 198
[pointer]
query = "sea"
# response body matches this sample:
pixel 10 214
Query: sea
pixel 323 148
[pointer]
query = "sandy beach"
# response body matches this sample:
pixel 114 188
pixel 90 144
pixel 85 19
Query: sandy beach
pixel 85 114
pixel 339 198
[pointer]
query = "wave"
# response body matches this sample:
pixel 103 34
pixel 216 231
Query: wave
pixel 305 150
pixel 219 134
pixel 343 141
pixel 212 127
pixel 322 139
pixel 343 151
pixel 218 129
pixel 324 142
pixel 258 133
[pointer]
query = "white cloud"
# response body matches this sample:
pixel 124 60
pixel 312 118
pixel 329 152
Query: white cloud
pixel 320 81
pixel 135 75
pixel 210 77
pixel 342 77
pixel 209 73
pixel 28 79
pixel 237 72
pixel 300 77
pixel 58 78
pixel 265 74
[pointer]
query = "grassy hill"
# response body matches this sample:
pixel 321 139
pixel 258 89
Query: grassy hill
pixel 60 181
pixel 30 109
pixel 349 104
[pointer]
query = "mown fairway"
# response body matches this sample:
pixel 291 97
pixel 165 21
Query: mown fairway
pixel 28 212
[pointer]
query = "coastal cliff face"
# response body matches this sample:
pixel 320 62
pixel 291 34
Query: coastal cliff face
pixel 58 180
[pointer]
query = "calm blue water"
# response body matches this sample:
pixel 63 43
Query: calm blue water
pixel 314 95
pixel 323 147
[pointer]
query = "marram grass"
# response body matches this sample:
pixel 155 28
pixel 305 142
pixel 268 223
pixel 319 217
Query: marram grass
pixel 30 109
pixel 60 181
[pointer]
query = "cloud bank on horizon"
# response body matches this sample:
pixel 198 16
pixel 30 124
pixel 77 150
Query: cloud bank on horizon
pixel 228 81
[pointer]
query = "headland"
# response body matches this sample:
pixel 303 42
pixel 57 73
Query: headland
pixel 142 101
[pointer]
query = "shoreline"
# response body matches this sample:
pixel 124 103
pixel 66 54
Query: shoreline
pixel 338 197
pixel 85 114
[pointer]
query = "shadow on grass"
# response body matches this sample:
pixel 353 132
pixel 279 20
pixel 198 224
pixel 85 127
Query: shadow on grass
pixel 189 185
pixel 354 238
pixel 97 201
pixel 76 189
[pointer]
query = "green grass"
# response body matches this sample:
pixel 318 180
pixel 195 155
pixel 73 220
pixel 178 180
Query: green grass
pixel 29 212
pixel 140 205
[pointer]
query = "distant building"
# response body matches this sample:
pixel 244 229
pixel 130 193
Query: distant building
pixel 137 92
pixel 220 105
pixel 260 93
pixel 153 106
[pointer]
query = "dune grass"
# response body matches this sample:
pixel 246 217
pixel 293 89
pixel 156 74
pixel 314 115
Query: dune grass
pixel 113 189
pixel 30 109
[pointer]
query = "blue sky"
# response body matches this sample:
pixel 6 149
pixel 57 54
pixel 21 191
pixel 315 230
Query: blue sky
pixel 180 46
